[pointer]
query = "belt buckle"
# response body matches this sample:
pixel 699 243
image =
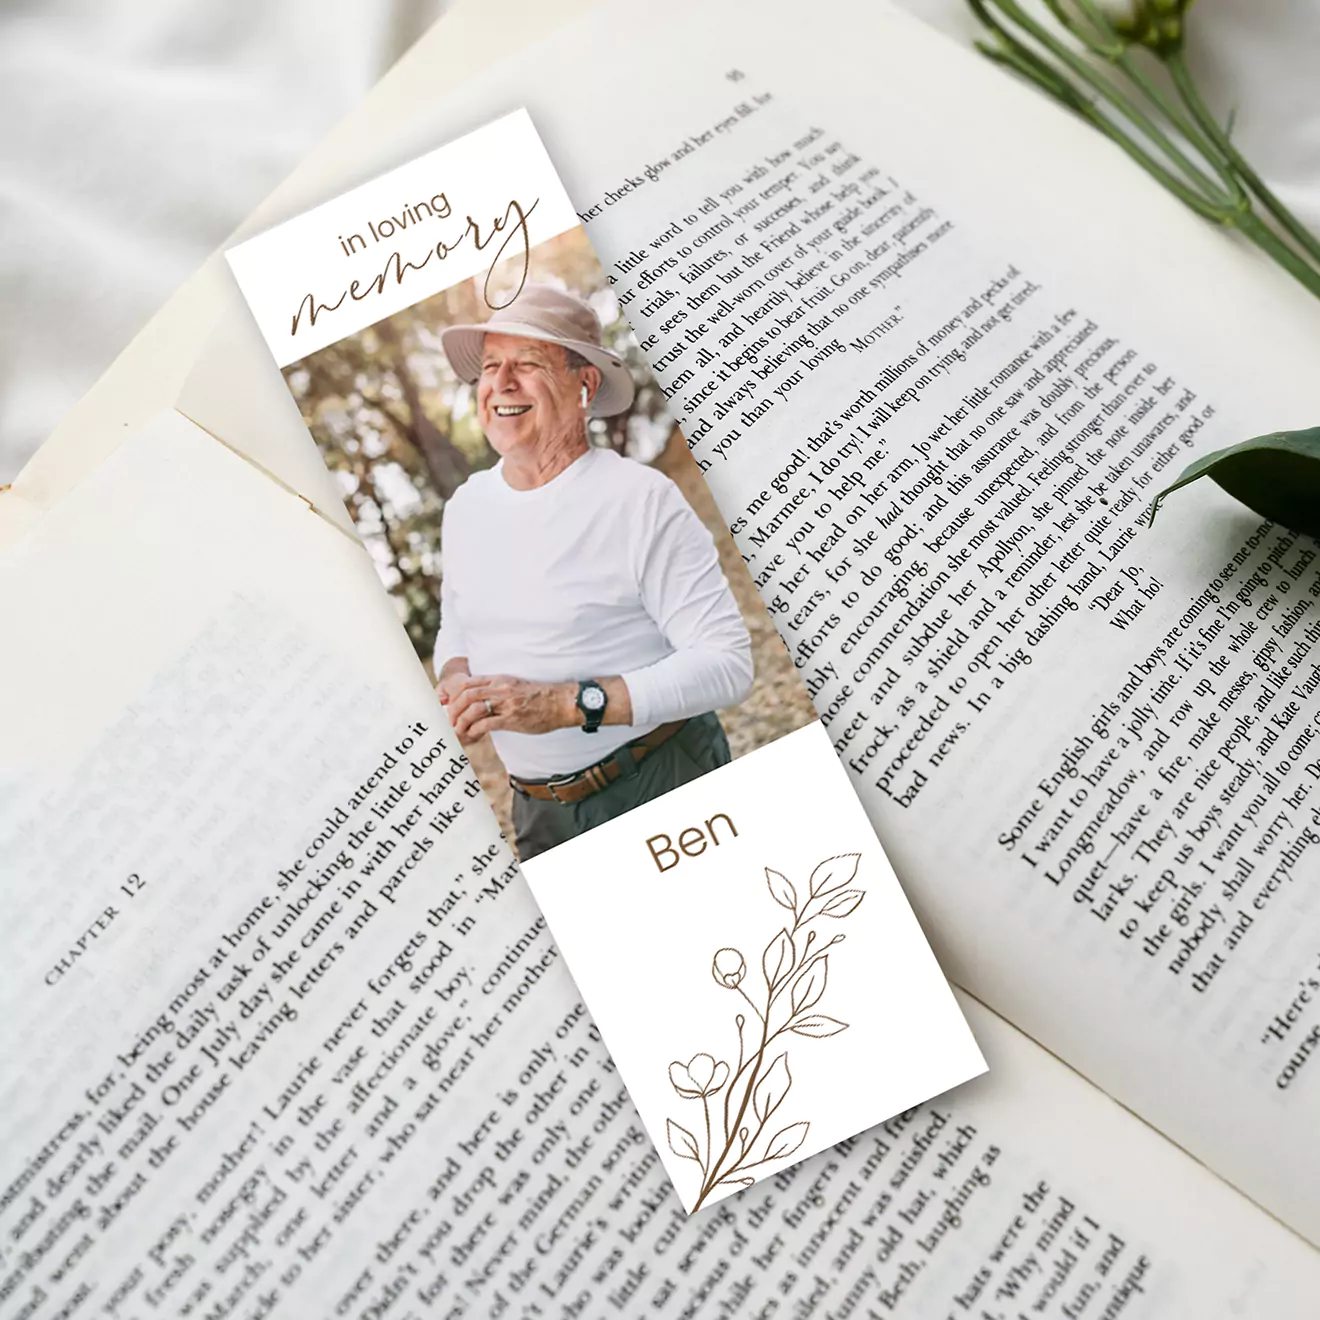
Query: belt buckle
pixel 554 784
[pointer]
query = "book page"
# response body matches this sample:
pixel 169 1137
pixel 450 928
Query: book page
pixel 935 346
pixel 254 1070
pixel 933 429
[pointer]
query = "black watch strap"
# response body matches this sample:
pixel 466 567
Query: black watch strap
pixel 592 713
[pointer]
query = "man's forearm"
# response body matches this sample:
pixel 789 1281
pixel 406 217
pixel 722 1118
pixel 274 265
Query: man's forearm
pixel 486 704
pixel 618 702
pixel 692 681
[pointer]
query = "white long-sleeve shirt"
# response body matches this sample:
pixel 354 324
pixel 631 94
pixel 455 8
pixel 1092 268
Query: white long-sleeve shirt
pixel 604 570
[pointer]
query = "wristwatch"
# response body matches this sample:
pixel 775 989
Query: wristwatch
pixel 591 699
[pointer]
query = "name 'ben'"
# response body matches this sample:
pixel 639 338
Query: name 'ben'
pixel 691 842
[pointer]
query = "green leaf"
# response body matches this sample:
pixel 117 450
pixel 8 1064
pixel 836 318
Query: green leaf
pixel 1276 476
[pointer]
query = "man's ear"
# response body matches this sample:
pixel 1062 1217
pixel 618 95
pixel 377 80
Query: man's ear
pixel 591 379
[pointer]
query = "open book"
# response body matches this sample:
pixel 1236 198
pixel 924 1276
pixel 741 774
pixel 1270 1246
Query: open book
pixel 1087 748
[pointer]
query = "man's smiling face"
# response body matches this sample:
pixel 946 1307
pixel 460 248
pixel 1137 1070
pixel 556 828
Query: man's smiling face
pixel 527 394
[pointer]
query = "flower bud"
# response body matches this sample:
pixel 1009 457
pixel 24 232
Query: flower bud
pixel 1155 24
pixel 1118 11
pixel 728 968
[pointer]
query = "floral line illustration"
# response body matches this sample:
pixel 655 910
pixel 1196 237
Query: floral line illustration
pixel 795 969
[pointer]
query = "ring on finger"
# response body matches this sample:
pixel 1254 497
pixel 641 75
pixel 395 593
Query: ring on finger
pixel 490 710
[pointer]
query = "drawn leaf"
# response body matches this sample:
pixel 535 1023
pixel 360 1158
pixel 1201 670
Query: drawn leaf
pixel 834 872
pixel 842 903
pixel 681 1141
pixel 772 1088
pixel 816 1025
pixel 1275 475
pixel 777 958
pixel 781 889
pixel 787 1140
pixel 810 985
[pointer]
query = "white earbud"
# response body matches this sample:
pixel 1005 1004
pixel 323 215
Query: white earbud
pixel 585 397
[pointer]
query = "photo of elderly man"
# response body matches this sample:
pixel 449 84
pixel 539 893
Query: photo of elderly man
pixel 585 622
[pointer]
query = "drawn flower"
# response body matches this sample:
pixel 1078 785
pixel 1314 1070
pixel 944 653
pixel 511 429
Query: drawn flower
pixel 739 1134
pixel 699 1077
pixel 728 968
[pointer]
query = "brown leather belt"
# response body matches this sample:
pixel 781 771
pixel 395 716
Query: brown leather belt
pixel 583 783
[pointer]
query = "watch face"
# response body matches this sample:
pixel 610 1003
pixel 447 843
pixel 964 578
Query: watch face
pixel 593 698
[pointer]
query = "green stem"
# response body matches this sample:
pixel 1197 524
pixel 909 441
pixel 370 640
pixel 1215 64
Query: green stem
pixel 1160 173
pixel 1254 228
pixel 1101 40
pixel 1205 146
pixel 1030 66
pixel 1116 97
pixel 1118 51
pixel 1227 201
pixel 1010 51
pixel 1191 95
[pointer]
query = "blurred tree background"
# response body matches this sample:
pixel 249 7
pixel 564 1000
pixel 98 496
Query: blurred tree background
pixel 399 430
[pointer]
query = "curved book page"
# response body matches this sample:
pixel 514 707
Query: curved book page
pixel 256 1080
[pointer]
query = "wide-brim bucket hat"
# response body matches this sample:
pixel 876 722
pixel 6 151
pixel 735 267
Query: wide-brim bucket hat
pixel 554 317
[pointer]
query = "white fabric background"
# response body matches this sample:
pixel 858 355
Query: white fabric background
pixel 137 133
